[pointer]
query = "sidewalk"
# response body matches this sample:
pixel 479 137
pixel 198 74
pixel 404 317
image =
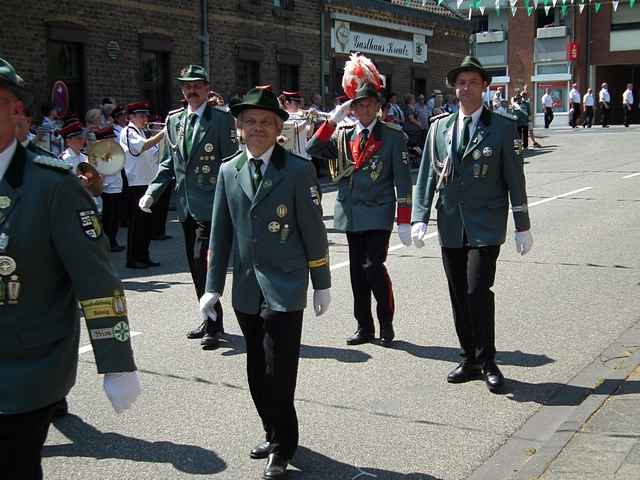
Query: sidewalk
pixel 588 430
pixel 607 445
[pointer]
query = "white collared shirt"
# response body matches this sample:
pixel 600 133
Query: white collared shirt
pixel 547 101
pixel 588 100
pixel 604 96
pixel 475 117
pixel 73 158
pixel 360 126
pixel 627 97
pixel 574 95
pixel 265 157
pixel 5 157
pixel 140 166
pixel 199 111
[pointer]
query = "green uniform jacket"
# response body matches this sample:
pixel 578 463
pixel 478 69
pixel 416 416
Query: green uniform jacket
pixel 195 174
pixel 278 236
pixel 61 257
pixel 474 198
pixel 367 198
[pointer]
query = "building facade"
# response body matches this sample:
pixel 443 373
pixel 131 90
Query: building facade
pixel 81 51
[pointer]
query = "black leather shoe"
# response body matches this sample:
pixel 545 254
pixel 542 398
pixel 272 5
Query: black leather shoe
pixel 197 332
pixel 211 341
pixel 151 263
pixel 261 451
pixel 387 335
pixel 493 377
pixel 117 248
pixel 161 237
pixel 465 372
pixel 137 264
pixel 61 409
pixel 276 467
pixel 359 337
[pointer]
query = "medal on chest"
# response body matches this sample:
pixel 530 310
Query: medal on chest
pixel 9 281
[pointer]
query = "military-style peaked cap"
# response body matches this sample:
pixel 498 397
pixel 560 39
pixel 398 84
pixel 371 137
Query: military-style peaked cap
pixel 14 82
pixel 366 90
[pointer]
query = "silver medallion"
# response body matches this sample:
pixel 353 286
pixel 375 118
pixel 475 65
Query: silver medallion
pixel 7 265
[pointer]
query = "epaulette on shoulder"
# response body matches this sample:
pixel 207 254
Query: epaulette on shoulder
pixel 38 150
pixel 348 126
pixel 224 108
pixel 231 157
pixel 393 126
pixel 51 162
pixel 441 115
pixel 173 112
pixel 510 116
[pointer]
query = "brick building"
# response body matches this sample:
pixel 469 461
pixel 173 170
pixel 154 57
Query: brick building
pixel 132 49
pixel 553 49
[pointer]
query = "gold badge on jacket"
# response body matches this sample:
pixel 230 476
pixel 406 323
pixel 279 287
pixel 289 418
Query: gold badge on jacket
pixel 90 223
pixel 208 148
pixel 274 227
pixel 281 211
pixel 5 202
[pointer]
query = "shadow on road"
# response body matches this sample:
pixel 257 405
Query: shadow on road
pixel 560 394
pixel 315 466
pixel 451 354
pixel 234 345
pixel 150 285
pixel 90 442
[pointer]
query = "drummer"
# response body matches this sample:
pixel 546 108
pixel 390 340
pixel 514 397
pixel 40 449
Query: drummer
pixel 111 195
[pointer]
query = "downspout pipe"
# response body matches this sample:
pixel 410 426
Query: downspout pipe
pixel 322 53
pixel 204 35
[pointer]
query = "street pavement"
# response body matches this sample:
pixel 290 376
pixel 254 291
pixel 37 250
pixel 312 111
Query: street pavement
pixel 562 313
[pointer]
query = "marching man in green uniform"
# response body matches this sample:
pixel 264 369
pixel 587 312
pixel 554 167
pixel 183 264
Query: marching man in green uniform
pixel 197 138
pixel 268 206
pixel 473 160
pixel 52 254
pixel 372 162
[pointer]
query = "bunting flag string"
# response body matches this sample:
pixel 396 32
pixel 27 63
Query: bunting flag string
pixel 546 4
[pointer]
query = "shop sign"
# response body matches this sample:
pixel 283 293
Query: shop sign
pixel 572 51
pixel 348 41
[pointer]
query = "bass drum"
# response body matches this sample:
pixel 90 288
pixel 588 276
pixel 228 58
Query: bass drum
pixel 106 156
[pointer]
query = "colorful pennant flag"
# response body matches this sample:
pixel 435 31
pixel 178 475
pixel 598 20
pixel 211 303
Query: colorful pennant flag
pixel 632 3
pixel 615 5
pixel 546 9
pixel 598 5
pixel 530 10
pixel 581 8
pixel 563 10
pixel 513 10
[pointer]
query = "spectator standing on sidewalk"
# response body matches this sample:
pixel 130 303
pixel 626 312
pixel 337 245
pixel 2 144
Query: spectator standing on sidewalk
pixel 588 102
pixel 574 105
pixel 604 98
pixel 627 104
pixel 547 104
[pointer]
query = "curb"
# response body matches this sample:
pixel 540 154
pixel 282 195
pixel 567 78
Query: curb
pixel 530 450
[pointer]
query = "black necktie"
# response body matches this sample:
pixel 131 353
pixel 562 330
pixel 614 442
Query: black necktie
pixel 193 118
pixel 257 173
pixel 364 136
pixel 466 131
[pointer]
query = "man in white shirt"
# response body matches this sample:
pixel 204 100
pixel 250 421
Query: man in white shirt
pixel 141 165
pixel 589 102
pixel 604 99
pixel 574 105
pixel 627 104
pixel 547 104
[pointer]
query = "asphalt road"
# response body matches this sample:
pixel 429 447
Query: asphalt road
pixel 372 412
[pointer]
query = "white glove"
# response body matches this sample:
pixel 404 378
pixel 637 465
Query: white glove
pixel 524 242
pixel 340 112
pixel 122 389
pixel 418 232
pixel 207 303
pixel 321 301
pixel 404 232
pixel 145 203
